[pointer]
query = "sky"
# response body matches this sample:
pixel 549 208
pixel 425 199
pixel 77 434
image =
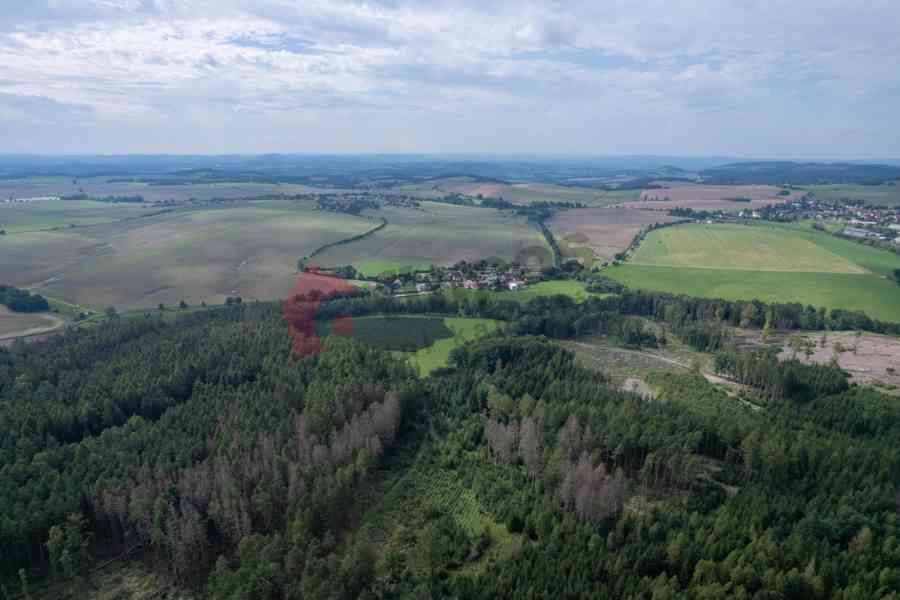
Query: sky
pixel 750 78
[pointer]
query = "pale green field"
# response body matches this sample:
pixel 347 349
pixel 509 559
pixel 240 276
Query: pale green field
pixel 738 247
pixel 567 287
pixel 102 186
pixel 519 193
pixel 883 195
pixel 194 255
pixel 439 234
pixel 49 214
pixel 776 263
pixel 372 268
pixel 437 355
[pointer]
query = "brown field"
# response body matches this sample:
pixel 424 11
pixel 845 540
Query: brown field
pixel 867 357
pixel 13 324
pixel 250 250
pixel 100 186
pixel 605 231
pixel 517 193
pixel 710 197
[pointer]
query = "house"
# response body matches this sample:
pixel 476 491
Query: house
pixel 471 284
pixel 514 285
pixel 423 287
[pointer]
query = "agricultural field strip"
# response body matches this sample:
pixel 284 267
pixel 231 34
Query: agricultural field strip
pixel 740 248
pixel 93 255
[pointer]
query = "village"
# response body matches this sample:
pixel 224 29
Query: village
pixel 482 275
pixel 859 220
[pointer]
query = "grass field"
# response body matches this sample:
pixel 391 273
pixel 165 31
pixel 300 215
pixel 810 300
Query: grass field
pixel 425 341
pixel 50 214
pixel 882 195
pixel 440 234
pixel 195 255
pixel 739 247
pixel 402 333
pixel 712 197
pixel 769 263
pixel 574 289
pixel 464 330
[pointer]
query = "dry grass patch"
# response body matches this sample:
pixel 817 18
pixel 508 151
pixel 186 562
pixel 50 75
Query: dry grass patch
pixel 606 231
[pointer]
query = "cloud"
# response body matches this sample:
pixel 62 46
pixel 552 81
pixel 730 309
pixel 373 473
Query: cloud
pixel 197 76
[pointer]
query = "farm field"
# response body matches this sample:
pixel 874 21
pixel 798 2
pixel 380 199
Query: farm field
pixel 52 214
pixel 774 264
pixel 194 255
pixel 603 232
pixel 869 293
pixel 102 186
pixel 519 193
pixel 15 324
pixel 740 247
pixel 710 197
pixel 439 234
pixel 880 195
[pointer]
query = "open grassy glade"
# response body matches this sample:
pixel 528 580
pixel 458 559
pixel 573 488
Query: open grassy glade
pixel 426 341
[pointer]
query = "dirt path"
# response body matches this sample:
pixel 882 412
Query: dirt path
pixel 53 323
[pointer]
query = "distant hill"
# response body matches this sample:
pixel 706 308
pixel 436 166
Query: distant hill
pixel 778 172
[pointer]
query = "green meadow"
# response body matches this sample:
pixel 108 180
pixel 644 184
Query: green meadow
pixel 574 289
pixel 464 330
pixel 773 263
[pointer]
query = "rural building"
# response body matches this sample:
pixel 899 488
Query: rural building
pixel 471 284
pixel 422 287
pixel 514 285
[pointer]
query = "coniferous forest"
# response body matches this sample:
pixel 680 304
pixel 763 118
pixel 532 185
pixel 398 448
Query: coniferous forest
pixel 210 451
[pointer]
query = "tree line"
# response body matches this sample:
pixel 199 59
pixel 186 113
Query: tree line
pixel 20 300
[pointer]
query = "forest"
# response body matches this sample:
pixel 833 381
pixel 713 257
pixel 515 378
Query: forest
pixel 19 300
pixel 211 450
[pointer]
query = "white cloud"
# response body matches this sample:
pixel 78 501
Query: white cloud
pixel 184 70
